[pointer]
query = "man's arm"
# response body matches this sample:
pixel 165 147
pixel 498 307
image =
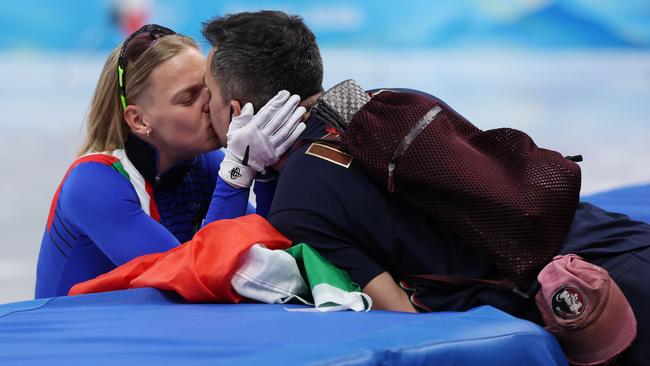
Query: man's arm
pixel 386 295
pixel 334 243
pixel 325 205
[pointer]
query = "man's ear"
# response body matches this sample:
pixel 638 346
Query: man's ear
pixel 235 108
pixel 135 120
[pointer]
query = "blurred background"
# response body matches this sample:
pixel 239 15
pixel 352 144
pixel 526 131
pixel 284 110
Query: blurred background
pixel 574 74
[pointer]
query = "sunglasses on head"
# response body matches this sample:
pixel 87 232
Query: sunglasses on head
pixel 133 47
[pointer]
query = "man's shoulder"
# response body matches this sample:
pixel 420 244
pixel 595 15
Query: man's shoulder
pixel 319 176
pixel 320 161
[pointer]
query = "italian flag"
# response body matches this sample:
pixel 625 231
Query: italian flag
pixel 297 273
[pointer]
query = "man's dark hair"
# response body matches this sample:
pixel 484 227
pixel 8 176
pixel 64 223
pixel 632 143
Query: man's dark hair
pixel 261 53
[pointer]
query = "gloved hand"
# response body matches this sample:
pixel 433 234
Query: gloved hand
pixel 256 141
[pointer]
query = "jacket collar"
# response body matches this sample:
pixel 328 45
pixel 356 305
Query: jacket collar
pixel 145 159
pixel 316 128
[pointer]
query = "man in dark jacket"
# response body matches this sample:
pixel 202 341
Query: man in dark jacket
pixel 326 199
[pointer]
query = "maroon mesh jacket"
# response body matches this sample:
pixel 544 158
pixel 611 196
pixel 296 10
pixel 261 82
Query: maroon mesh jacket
pixel 496 189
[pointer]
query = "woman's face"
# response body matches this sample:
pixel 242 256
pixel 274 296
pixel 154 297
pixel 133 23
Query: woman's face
pixel 176 107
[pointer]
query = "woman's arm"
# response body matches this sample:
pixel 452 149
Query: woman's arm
pixel 104 205
pixel 227 201
pixel 264 189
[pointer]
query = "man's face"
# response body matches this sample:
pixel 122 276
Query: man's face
pixel 219 108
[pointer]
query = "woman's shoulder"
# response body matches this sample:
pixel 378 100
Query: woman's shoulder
pixel 90 187
pixel 87 179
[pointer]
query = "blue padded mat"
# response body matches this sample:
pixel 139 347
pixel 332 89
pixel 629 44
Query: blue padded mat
pixel 632 201
pixel 147 326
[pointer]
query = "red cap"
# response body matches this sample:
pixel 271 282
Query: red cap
pixel 584 308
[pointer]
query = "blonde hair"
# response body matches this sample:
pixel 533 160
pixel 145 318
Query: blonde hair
pixel 106 129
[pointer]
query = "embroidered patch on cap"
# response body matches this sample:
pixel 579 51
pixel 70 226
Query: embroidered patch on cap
pixel 568 303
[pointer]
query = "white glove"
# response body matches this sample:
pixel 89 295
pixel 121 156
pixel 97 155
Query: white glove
pixel 256 141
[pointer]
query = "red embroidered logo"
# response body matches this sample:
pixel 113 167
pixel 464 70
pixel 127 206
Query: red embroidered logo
pixel 332 130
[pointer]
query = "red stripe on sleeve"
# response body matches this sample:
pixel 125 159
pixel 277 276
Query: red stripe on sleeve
pixel 153 208
pixel 94 158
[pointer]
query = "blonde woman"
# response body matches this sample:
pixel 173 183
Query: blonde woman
pixel 148 172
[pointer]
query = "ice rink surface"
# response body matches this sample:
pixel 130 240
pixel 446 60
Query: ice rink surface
pixel 594 103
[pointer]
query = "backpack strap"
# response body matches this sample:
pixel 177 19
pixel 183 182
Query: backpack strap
pixel 504 284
